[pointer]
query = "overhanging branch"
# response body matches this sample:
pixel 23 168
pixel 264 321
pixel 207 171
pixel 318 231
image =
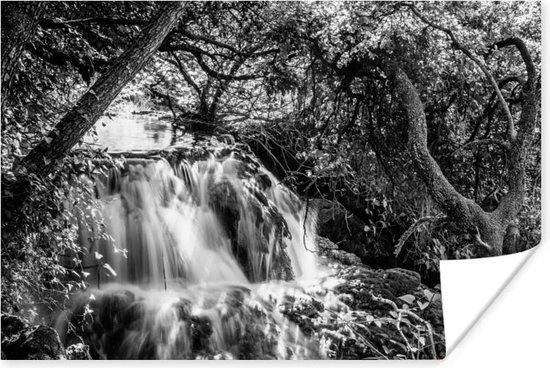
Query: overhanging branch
pixel 204 66
pixel 511 127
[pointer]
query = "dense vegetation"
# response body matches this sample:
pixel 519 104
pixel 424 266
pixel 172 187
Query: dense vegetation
pixel 422 120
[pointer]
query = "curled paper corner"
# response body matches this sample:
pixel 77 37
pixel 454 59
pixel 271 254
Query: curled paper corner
pixel 471 286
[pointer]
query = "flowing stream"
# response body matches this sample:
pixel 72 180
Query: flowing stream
pixel 200 259
pixel 204 254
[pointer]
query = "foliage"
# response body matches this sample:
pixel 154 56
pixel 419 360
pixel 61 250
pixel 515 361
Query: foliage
pixel 42 243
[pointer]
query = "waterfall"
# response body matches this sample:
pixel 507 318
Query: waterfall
pixel 217 220
pixel 201 255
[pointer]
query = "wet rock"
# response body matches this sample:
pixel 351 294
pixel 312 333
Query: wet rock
pixel 356 318
pixel 389 284
pixel 237 210
pixel 215 356
pixel 34 343
pixel 331 251
pixel 79 351
pixel 11 325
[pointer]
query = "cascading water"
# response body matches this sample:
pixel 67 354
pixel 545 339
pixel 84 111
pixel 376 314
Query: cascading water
pixel 210 221
pixel 202 257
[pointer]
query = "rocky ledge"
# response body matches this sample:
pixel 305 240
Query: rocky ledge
pixel 21 341
pixel 355 312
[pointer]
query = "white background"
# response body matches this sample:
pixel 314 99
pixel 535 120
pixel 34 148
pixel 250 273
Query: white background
pixel 515 330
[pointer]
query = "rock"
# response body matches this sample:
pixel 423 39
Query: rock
pixel 337 224
pixel 402 281
pixel 331 251
pixel 334 222
pixel 241 210
pixel 79 351
pixel 389 284
pixel 34 343
pixel 352 323
pixel 11 325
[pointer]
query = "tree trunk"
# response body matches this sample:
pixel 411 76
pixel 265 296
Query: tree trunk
pixel 19 22
pixel 489 227
pixel 467 214
pixel 74 125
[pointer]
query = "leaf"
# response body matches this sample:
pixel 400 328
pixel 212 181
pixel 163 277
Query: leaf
pixel 423 305
pixel 110 269
pixel 409 299
pixel 48 140
pixel 98 256
pixel 429 295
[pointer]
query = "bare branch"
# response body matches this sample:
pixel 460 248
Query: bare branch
pixel 511 128
pixel 213 42
pixel 526 56
pixel 217 74
pixel 184 73
pixel 479 142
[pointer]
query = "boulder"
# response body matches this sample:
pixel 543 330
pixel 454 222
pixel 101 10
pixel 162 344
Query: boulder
pixel 233 205
pixel 331 252
pixel 356 319
pixel 11 325
pixel 34 343
pixel 79 351
pixel 337 224
pixel 345 229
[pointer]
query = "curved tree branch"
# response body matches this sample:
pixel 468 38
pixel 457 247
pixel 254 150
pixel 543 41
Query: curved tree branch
pixel 467 214
pixel 525 55
pixel 511 128
pixel 444 194
pixel 204 66
pixel 511 203
pixel 184 73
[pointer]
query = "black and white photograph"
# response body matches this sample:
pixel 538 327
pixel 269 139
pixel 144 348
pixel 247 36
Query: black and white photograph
pixel 258 180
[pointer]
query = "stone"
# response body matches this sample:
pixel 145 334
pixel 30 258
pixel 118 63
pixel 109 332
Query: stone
pixel 334 222
pixel 34 343
pixel 331 251
pixel 79 351
pixel 11 325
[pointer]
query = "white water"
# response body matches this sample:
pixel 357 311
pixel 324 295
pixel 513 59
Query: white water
pixel 167 221
pixel 214 235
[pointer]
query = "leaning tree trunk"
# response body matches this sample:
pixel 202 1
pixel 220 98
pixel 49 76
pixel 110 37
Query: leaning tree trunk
pixel 74 125
pixel 19 22
pixel 488 228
